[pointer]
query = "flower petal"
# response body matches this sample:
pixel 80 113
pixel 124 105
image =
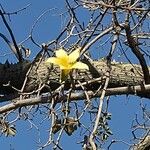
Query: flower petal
pixel 54 60
pixel 62 67
pixel 74 55
pixel 80 65
pixel 61 53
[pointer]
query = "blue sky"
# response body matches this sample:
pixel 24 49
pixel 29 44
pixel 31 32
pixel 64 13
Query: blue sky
pixel 122 108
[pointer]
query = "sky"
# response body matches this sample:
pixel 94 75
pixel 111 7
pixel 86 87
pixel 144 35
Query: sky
pixel 122 108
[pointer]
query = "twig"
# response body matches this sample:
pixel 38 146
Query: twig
pixel 106 31
pixel 17 53
pixel 35 23
pixel 11 46
pixel 15 12
pixel 98 115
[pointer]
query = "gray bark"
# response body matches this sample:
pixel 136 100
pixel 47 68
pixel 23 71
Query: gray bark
pixel 121 75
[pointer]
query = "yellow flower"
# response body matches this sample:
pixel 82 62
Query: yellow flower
pixel 67 62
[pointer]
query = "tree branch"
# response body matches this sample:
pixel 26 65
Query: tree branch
pixel 143 144
pixel 77 96
pixel 121 75
pixel 135 49
pixel 17 51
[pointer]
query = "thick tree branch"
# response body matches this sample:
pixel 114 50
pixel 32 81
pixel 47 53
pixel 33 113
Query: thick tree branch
pixel 144 144
pixel 122 74
pixel 135 49
pixel 77 96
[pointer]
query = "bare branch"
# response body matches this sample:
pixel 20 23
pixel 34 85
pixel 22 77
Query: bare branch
pixel 17 52
pixel 133 90
pixel 135 49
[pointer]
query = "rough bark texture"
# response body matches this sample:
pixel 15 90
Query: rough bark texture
pixel 143 144
pixel 121 74
pixel 12 75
